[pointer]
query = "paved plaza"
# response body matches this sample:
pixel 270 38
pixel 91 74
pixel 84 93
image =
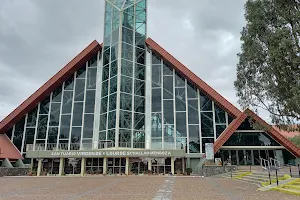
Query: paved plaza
pixel 132 187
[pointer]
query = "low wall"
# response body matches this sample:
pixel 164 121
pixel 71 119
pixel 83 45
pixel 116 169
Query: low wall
pixel 212 170
pixel 13 171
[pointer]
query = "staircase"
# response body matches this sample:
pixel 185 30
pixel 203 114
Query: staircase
pixel 292 187
pixel 255 177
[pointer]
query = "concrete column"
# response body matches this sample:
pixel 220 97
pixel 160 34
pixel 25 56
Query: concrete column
pixel 127 166
pixel 183 165
pixel 105 165
pixel 173 165
pixel 83 161
pixel 39 169
pixel 149 164
pixel 61 166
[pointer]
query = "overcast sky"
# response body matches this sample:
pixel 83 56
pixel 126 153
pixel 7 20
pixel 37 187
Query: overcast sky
pixel 38 37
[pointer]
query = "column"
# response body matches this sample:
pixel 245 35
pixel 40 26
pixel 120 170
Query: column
pixel 61 166
pixel 105 165
pixel 39 169
pixel 150 164
pixel 83 161
pixel 172 165
pixel 183 165
pixel 127 166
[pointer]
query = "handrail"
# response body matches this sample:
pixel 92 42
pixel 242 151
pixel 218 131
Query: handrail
pixel 265 164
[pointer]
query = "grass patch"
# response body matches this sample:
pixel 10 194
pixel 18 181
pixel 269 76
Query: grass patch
pixel 241 175
pixel 285 177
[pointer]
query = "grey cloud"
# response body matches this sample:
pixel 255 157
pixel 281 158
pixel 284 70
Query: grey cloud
pixel 38 37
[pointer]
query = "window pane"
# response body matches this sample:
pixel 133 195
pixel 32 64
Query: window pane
pixel 103 119
pixel 193 112
pixel 88 126
pixel 207 129
pixel 125 119
pixel 104 88
pixel 220 115
pixel 65 126
pixel 194 139
pixel 206 140
pixel 42 127
pixel 251 139
pixel 206 103
pixel 69 84
pixel 156 76
pixel 220 129
pixel 156 100
pixel 77 114
pixel 139 121
pixel 126 84
pixel 113 85
pixel 126 101
pixel 90 101
pixel 104 105
pixel 191 91
pixel 67 102
pixel 55 114
pixel 181 124
pixel 179 80
pixel 180 99
pixel 167 69
pixel 31 119
pixel 44 106
pixel 81 72
pixel 156 125
pixel 139 87
pixel 155 59
pixel 168 112
pixel 91 78
pixel 56 96
pixel 139 104
pixel 168 87
pixel 18 134
pixel 79 89
pixel 113 68
pixel 29 137
pixel 127 67
pixel 52 135
pixel 105 73
pixel 76 135
pixel 112 120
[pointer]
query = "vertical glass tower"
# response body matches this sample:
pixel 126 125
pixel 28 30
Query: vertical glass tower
pixel 122 94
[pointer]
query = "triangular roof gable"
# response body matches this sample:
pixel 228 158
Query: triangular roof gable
pixel 8 149
pixel 188 74
pixel 61 76
pixel 227 133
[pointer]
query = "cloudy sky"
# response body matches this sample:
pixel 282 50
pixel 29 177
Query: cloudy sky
pixel 38 37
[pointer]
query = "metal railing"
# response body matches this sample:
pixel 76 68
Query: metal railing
pixel 265 164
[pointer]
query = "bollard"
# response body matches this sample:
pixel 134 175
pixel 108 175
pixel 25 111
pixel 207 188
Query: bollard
pixel 270 177
pixel 276 178
pixel 291 171
pixel 299 169
pixel 250 168
pixel 231 172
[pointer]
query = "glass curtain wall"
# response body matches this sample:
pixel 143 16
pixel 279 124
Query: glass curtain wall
pixel 122 113
pixel 183 117
pixel 65 117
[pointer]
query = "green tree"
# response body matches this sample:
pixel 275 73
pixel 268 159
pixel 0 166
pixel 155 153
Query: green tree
pixel 268 72
pixel 296 140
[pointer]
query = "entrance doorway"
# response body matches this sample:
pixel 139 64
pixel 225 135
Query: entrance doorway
pixel 138 166
pixel 161 165
pixel 116 165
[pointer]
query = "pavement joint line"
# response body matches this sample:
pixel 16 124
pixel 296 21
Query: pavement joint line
pixel 166 191
pixel 76 196
pixel 227 193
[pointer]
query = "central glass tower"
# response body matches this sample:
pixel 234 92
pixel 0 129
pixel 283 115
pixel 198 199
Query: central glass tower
pixel 121 99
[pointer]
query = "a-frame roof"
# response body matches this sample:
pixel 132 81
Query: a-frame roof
pixel 46 89
pixel 267 127
pixel 188 74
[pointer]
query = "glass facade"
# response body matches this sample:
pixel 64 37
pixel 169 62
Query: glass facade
pixel 122 112
pixel 65 117
pixel 183 117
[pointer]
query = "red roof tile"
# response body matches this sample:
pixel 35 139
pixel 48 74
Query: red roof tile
pixel 268 128
pixel 188 74
pixel 49 86
pixel 8 149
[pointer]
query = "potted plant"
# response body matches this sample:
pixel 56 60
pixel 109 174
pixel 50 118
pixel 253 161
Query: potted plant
pixel 189 171
pixel 178 172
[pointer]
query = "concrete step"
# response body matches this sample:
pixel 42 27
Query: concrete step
pixel 255 179
pixel 250 180
pixel 297 187
pixel 289 191
pixel 265 176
